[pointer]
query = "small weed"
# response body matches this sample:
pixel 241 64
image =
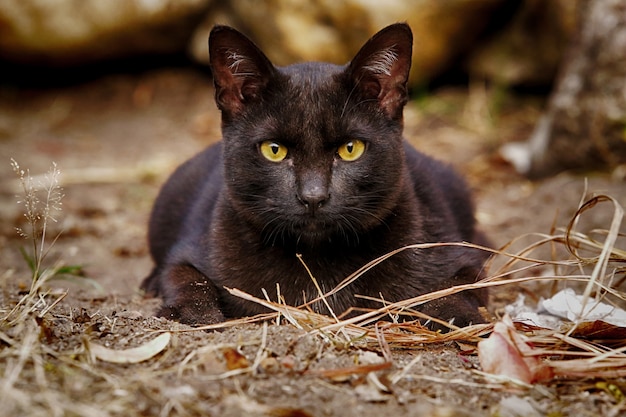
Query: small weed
pixel 41 201
pixel 38 213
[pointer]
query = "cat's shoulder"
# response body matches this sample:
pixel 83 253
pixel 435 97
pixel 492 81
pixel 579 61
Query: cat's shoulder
pixel 421 165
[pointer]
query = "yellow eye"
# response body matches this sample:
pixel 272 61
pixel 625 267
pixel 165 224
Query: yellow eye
pixel 352 150
pixel 273 151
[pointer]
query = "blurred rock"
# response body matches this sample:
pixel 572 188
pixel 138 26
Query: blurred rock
pixel 333 30
pixel 584 127
pixel 530 48
pixel 67 32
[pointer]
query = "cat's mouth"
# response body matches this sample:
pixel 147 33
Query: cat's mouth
pixel 303 231
pixel 312 227
pixel 310 231
pixel 313 232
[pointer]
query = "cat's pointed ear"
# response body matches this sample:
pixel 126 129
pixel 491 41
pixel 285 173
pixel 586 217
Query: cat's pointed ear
pixel 240 69
pixel 380 70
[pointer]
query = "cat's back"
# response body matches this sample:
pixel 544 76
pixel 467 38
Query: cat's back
pixel 192 188
pixel 442 193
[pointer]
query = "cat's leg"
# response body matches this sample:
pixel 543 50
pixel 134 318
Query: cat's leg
pixel 462 307
pixel 151 285
pixel 189 297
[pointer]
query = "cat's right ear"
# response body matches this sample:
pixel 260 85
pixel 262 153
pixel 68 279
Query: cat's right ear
pixel 380 70
pixel 240 69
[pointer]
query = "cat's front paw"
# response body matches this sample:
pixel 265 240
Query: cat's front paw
pixel 189 315
pixel 453 309
pixel 189 297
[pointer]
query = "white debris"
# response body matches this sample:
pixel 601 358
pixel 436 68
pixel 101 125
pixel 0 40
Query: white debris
pixel 565 306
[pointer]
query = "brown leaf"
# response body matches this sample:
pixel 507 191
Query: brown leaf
pixel 598 329
pixel 342 373
pixel 288 412
pixel 506 353
pixel 234 359
pixel 46 330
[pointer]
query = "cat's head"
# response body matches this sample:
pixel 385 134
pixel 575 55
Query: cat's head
pixel 313 152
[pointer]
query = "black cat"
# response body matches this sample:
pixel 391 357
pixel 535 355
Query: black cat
pixel 312 162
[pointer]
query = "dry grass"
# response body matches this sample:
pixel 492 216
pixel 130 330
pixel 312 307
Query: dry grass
pixel 576 350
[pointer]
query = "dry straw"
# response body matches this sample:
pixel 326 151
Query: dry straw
pixel 579 349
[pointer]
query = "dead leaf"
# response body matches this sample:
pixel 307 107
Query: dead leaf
pixel 373 390
pixel 507 353
pixel 234 359
pixel 82 317
pixel 133 355
pixel 343 374
pixel 595 330
pixel 466 348
pixel 288 412
pixel 46 330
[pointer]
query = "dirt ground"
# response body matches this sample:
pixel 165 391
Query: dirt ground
pixel 117 138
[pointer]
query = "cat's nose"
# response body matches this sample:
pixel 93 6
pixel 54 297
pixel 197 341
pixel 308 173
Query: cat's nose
pixel 313 198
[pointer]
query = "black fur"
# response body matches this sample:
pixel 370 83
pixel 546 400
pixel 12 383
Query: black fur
pixel 229 217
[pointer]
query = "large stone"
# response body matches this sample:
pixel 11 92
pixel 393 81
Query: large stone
pixel 333 30
pixel 529 49
pixel 66 32
pixel 584 127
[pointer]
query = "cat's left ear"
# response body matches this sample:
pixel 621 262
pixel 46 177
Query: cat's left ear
pixel 241 71
pixel 380 70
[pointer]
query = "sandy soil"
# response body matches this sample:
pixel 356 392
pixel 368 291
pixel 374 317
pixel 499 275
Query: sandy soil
pixel 117 138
